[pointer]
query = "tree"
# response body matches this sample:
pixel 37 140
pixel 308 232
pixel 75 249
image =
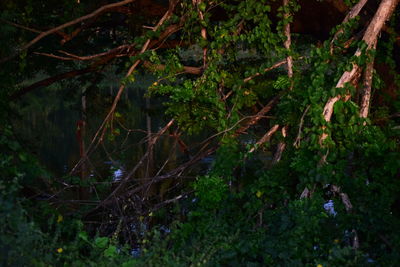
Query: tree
pixel 310 90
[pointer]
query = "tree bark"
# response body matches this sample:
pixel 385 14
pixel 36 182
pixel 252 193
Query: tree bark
pixel 366 94
pixel 383 13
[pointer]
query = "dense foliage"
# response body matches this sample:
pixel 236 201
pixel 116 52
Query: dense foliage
pixel 250 170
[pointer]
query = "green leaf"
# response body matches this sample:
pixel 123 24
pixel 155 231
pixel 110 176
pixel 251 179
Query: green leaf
pixel 83 235
pixel 101 242
pixel 202 6
pixel 22 157
pixel 111 251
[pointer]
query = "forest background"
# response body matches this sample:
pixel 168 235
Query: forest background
pixel 169 133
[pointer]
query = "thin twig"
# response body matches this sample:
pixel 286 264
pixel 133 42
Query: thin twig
pixel 115 50
pixel 298 138
pixel 133 171
pixel 276 65
pixel 20 26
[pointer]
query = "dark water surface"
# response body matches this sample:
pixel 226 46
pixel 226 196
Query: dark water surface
pixel 47 122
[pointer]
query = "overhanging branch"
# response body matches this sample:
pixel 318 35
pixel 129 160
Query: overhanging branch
pixel 66 25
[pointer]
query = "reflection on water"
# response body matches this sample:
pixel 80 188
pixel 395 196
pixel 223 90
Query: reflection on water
pixel 116 170
pixel 117 175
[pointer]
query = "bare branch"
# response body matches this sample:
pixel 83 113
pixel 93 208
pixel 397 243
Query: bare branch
pixel 281 147
pixel 266 137
pixel 20 26
pixel 66 25
pixel 259 115
pixel 383 13
pixel 101 131
pixel 123 49
pixel 345 198
pixel 152 142
pixel 203 31
pixel 54 56
pixel 186 69
pixel 276 65
pixel 349 207
pixel 366 94
pixel 298 138
pixel 120 51
pixel 51 80
pixel 288 41
pixel 305 194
